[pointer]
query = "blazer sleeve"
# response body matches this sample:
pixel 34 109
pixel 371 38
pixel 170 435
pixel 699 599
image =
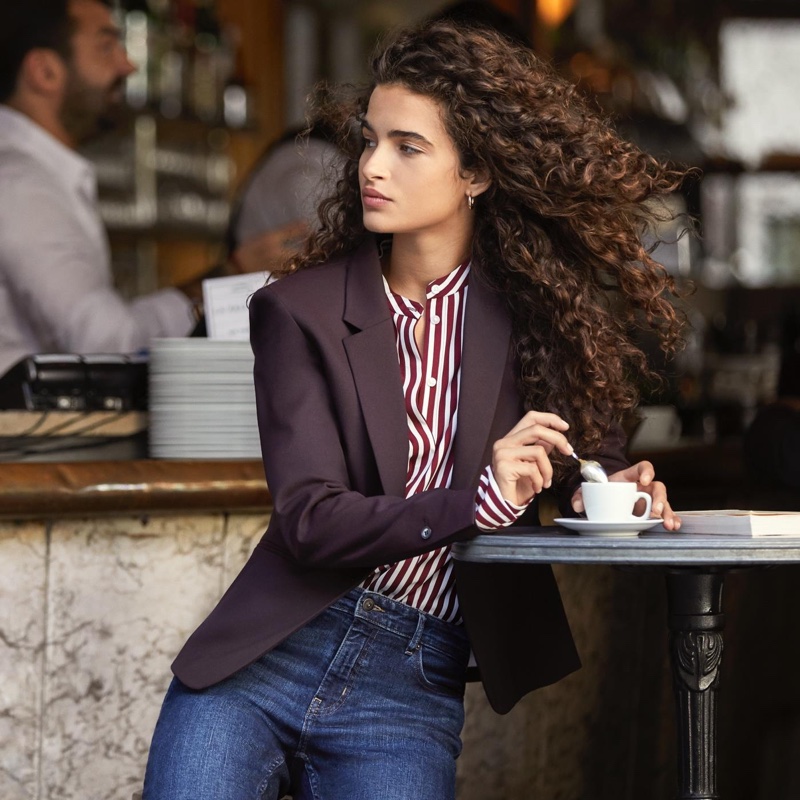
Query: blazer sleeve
pixel 318 517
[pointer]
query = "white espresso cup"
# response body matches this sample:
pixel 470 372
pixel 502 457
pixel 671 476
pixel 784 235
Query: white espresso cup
pixel 613 501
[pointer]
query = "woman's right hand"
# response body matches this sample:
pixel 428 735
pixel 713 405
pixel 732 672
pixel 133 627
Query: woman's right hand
pixel 521 459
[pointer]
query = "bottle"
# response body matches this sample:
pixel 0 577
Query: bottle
pixel 184 15
pixel 205 81
pixel 237 100
pixel 168 59
pixel 137 45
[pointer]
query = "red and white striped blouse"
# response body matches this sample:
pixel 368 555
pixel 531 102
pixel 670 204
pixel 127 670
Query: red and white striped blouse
pixel 431 384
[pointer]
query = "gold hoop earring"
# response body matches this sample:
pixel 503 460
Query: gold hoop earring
pixel 470 202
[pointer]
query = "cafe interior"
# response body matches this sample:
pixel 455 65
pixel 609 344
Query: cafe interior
pixel 133 491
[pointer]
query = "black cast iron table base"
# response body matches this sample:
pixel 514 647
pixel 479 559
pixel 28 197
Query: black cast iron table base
pixel 695 622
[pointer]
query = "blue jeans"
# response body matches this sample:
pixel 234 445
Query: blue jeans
pixel 363 703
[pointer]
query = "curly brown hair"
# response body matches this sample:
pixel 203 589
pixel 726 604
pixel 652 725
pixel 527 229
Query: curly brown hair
pixel 558 232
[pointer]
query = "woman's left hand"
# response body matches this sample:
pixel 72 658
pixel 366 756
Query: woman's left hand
pixel 642 474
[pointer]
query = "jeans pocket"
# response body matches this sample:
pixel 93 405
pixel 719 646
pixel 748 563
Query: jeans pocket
pixel 440 672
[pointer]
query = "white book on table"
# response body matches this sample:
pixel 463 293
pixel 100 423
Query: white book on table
pixel 738 522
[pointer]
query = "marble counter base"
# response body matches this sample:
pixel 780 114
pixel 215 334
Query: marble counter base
pixel 92 611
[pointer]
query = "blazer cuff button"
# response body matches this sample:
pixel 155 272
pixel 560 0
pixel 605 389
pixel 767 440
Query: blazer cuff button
pixel 426 533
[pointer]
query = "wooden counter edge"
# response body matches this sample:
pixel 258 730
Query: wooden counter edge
pixel 120 487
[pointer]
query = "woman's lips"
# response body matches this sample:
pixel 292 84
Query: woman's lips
pixel 371 198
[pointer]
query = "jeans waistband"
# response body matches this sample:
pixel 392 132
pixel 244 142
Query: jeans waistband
pixel 415 626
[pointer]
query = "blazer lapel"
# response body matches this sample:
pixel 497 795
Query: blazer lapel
pixel 372 355
pixel 487 336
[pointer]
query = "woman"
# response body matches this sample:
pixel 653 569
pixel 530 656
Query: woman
pixel 444 341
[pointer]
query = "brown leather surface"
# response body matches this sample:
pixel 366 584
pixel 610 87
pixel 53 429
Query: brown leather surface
pixel 100 487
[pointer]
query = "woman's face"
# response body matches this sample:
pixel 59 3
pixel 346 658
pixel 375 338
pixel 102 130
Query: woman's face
pixel 409 170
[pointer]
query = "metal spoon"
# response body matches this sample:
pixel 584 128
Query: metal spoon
pixel 591 470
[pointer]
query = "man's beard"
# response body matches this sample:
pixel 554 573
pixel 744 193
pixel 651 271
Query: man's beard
pixel 89 111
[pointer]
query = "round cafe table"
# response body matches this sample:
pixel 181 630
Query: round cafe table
pixel 695 568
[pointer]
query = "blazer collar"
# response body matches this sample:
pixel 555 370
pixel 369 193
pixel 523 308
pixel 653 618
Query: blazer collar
pixel 372 354
pixel 365 297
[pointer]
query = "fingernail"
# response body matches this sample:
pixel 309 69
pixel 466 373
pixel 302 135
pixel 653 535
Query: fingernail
pixel 548 484
pixel 658 508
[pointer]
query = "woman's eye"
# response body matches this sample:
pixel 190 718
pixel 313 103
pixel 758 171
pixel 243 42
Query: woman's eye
pixel 408 149
pixel 367 143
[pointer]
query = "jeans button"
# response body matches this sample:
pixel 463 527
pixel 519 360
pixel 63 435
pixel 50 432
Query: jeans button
pixel 368 604
pixel 425 533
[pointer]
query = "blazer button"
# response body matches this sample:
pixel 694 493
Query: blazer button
pixel 426 533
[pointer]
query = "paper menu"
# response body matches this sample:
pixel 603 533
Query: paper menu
pixel 225 304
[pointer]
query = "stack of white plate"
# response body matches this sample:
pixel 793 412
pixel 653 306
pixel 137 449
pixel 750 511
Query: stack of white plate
pixel 202 401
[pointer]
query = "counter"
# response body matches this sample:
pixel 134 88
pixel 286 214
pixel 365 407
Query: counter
pixel 105 568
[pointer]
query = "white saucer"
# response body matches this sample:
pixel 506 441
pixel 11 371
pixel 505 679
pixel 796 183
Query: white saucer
pixel 630 527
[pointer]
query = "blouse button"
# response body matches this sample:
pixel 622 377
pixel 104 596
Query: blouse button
pixel 435 320
pixel 431 382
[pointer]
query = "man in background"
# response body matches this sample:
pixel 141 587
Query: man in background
pixel 62 71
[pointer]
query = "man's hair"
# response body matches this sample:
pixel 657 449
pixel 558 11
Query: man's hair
pixel 26 25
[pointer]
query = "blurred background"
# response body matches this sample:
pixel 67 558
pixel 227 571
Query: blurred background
pixel 710 85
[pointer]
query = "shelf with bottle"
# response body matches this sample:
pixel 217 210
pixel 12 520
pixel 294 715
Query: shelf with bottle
pixel 157 182
pixel 167 174
pixel 189 65
pixel 170 167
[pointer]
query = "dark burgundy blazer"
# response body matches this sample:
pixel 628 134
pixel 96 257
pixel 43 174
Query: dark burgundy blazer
pixel 334 436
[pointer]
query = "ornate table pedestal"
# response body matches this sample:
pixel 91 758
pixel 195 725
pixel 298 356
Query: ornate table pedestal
pixel 695 622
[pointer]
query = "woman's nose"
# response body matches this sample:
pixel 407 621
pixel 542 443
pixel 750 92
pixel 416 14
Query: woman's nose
pixel 373 162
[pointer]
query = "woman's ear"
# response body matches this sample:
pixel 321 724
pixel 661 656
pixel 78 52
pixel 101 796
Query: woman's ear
pixel 478 183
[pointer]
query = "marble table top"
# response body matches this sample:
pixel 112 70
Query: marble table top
pixel 552 545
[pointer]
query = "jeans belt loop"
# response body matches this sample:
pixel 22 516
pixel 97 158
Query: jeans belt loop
pixel 416 639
